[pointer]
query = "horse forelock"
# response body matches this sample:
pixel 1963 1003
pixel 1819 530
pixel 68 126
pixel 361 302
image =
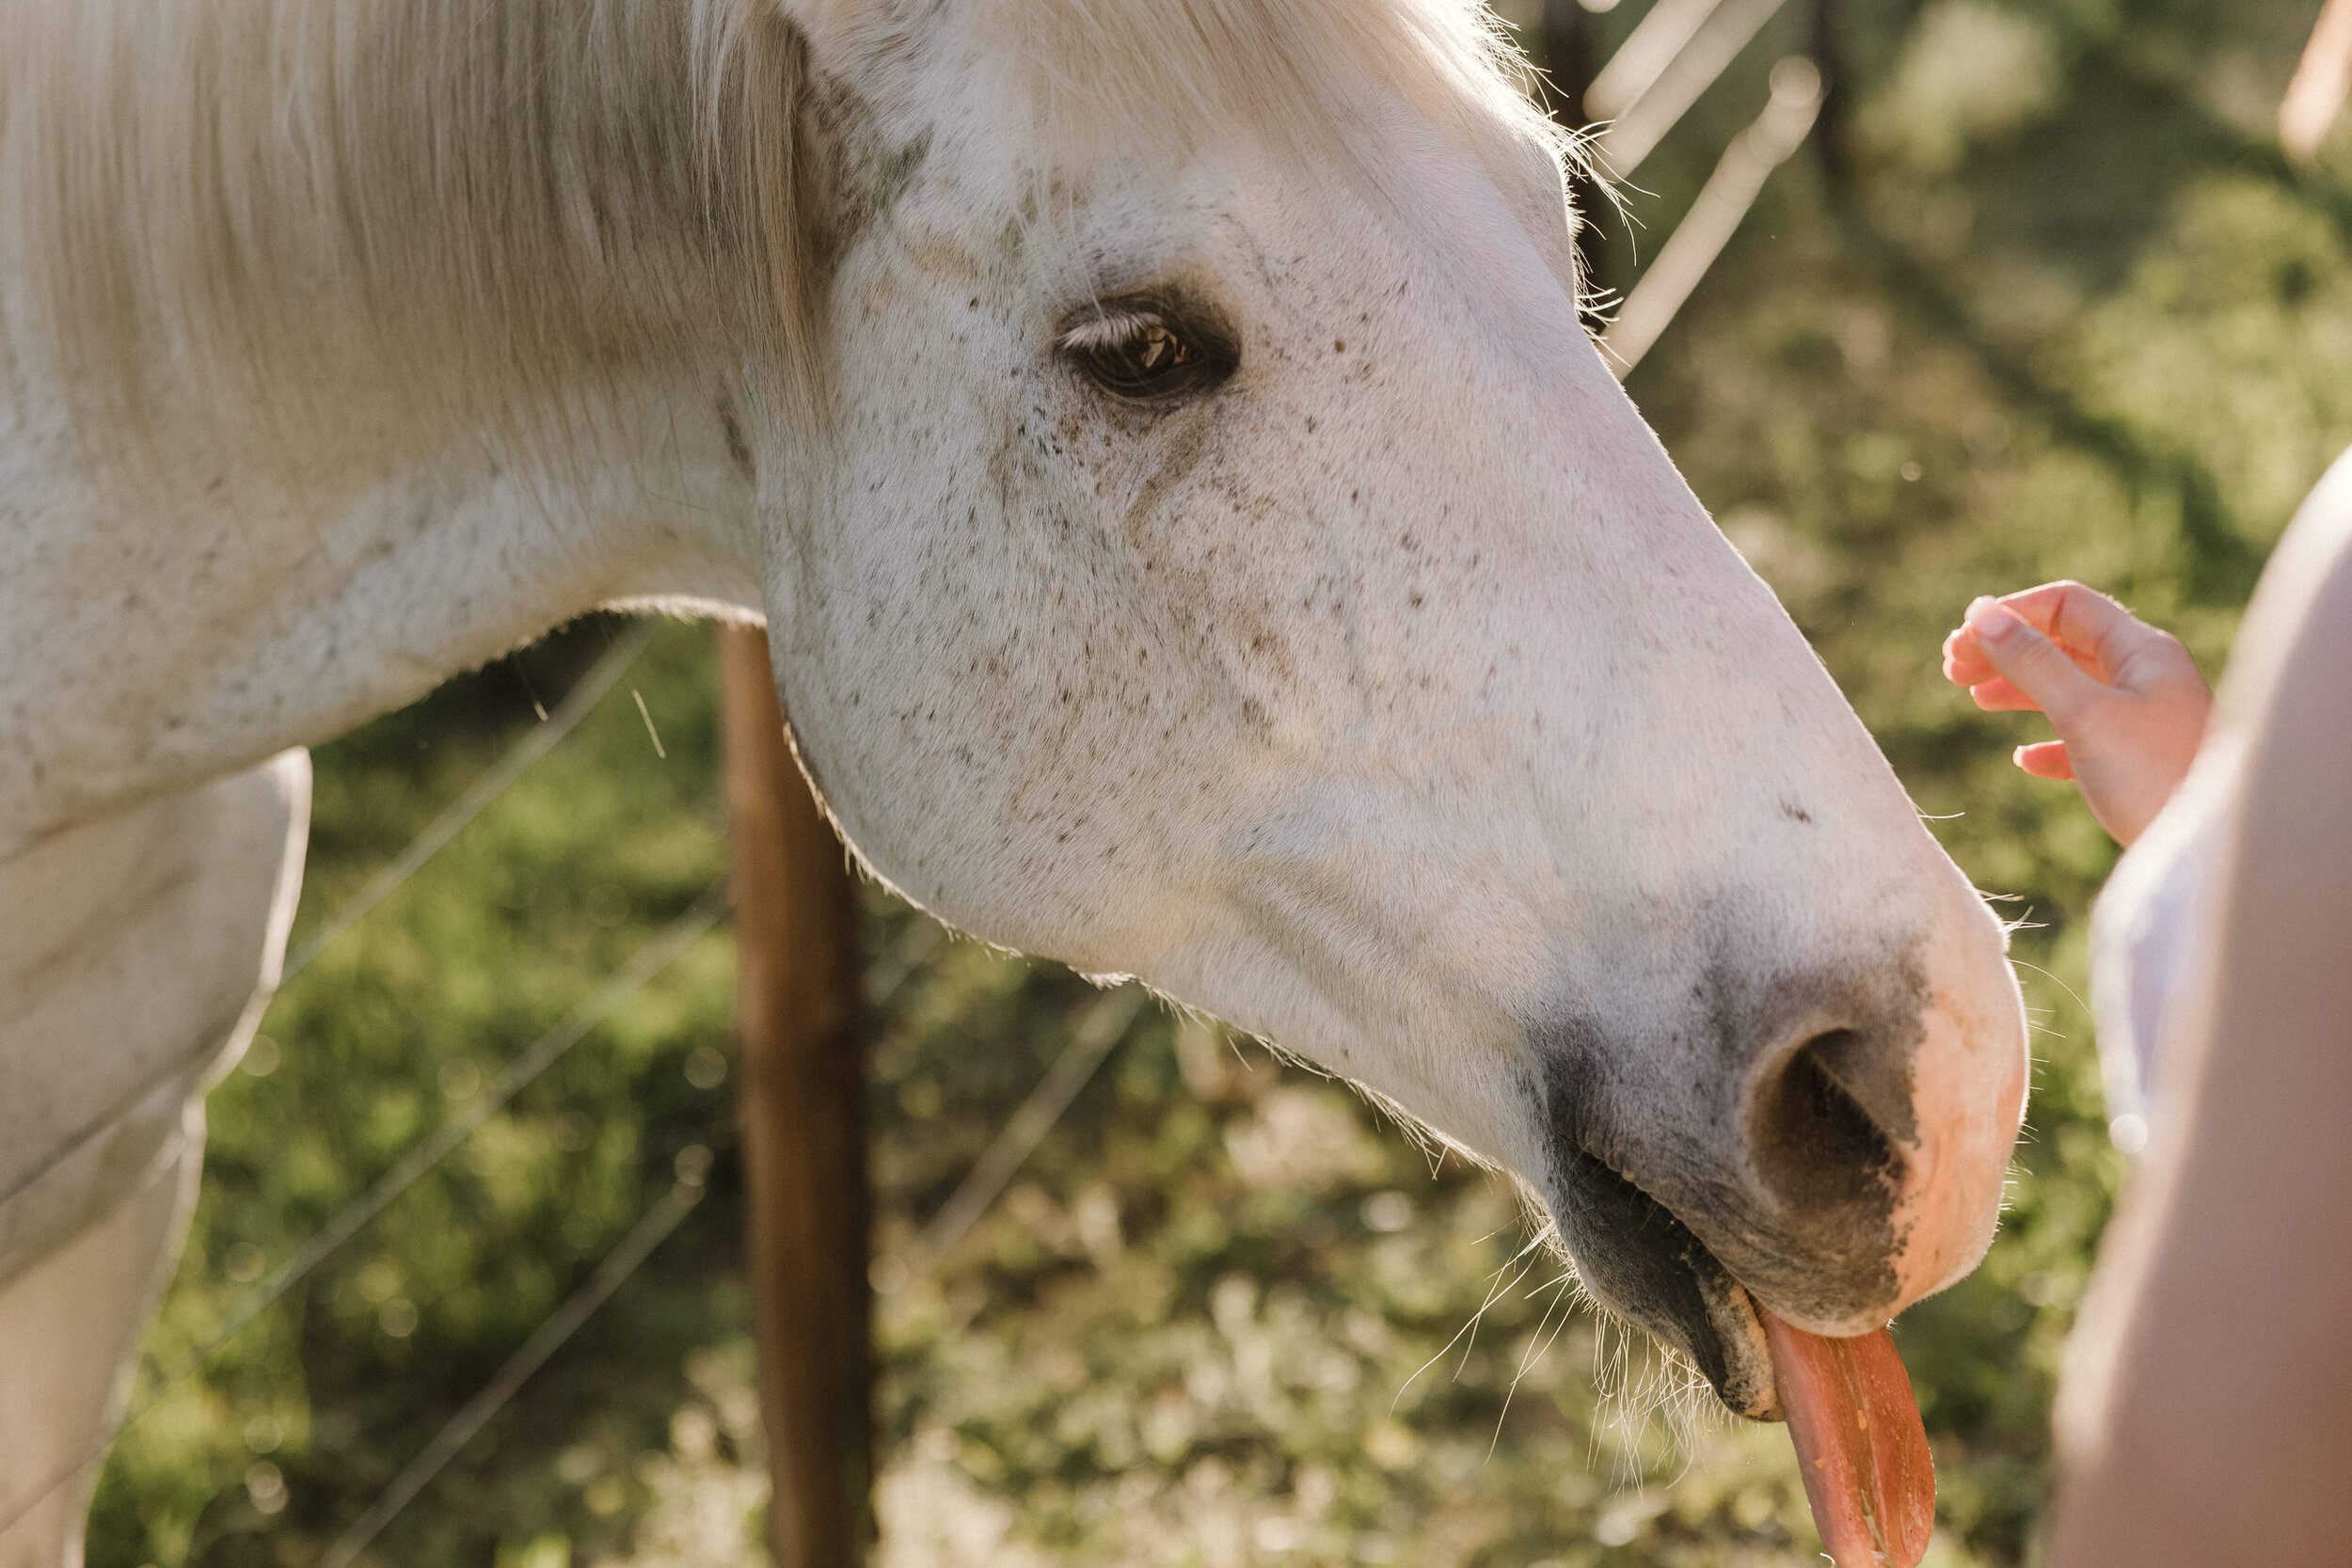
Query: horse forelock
pixel 1312 79
pixel 1294 69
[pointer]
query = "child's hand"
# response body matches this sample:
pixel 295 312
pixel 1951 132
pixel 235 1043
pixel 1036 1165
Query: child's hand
pixel 2126 699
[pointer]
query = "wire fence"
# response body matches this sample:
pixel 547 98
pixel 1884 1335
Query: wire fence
pixel 1097 1032
pixel 1103 1027
pixel 644 1237
pixel 1100 1029
pixel 495 780
pixel 536 743
pixel 422 1158
pixel 1691 249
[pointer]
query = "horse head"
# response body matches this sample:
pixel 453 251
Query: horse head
pixel 1227 560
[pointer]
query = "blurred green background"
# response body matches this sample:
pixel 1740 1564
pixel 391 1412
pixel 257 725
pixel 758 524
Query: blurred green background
pixel 2042 299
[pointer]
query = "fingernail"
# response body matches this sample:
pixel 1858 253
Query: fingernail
pixel 1990 617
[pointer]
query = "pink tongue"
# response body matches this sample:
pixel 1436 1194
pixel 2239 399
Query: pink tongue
pixel 1859 1442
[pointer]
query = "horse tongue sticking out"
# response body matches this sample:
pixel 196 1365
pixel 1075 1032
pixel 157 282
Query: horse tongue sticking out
pixel 1859 1443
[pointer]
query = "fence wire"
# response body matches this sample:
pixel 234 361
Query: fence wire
pixel 551 1048
pixel 536 742
pixel 561 1325
pixel 533 745
pixel 1105 1024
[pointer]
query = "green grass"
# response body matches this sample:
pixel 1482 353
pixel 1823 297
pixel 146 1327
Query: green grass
pixel 2090 325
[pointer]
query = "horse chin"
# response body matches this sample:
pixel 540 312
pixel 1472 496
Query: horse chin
pixel 1646 1265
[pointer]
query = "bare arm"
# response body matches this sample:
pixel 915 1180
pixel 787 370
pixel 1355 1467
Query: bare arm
pixel 2206 1416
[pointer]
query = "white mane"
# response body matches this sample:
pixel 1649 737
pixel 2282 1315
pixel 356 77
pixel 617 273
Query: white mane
pixel 489 200
pixel 482 203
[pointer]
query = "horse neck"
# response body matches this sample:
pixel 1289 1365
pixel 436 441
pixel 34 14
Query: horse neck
pixel 336 361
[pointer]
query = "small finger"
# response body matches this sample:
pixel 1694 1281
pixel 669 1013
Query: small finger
pixel 2046 759
pixel 1967 666
pixel 1964 658
pixel 2000 696
pixel 2033 663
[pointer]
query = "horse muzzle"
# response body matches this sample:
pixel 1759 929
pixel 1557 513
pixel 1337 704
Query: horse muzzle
pixel 1828 1142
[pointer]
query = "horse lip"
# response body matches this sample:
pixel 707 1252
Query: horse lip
pixel 1765 1405
pixel 1739 1326
pixel 1748 1386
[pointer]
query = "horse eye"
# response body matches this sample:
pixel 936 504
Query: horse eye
pixel 1139 356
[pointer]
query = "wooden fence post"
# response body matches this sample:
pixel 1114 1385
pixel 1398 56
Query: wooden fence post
pixel 803 1106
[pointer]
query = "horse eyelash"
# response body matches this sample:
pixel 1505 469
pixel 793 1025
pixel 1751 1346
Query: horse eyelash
pixel 1107 329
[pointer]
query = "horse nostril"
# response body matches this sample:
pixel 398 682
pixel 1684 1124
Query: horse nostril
pixel 1815 1142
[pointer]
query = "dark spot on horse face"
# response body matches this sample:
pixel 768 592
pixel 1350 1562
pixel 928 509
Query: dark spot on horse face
pixel 865 173
pixel 1794 812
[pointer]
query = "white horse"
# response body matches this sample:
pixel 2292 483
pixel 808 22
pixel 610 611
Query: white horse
pixel 1198 538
